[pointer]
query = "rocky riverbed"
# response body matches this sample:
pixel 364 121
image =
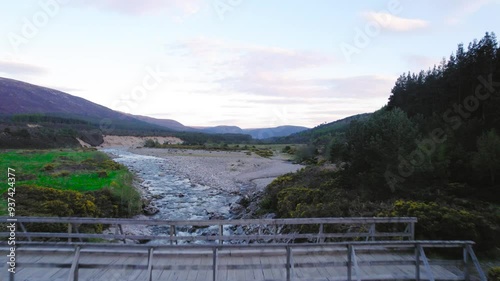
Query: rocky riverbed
pixel 197 184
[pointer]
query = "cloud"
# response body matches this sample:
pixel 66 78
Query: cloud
pixel 395 23
pixel 274 72
pixel 250 69
pixel 19 68
pixel 275 85
pixel 145 7
pixel 420 62
pixel 461 9
pixel 224 53
pixel 365 86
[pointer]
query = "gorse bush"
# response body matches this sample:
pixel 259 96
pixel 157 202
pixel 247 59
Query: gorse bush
pixel 35 200
pixel 494 273
pixel 438 221
pixel 316 192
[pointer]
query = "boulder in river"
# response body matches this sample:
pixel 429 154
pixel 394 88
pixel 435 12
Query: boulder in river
pixel 150 210
pixel 236 208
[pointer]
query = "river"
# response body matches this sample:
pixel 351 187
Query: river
pixel 176 197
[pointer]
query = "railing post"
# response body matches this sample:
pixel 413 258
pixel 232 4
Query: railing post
pixel 349 262
pixel 474 259
pixel 371 233
pixel 288 263
pixel 412 230
pixel 150 264
pixel 25 231
pixel 466 263
pixel 354 262
pixel 171 234
pixel 259 233
pixel 320 234
pixel 417 263
pixel 215 253
pixel 428 268
pixel 73 272
pixel 221 233
pixel 69 231
pixel 275 232
pixel 121 233
pixel 77 232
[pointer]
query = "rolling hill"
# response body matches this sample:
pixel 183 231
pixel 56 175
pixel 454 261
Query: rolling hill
pixel 323 131
pixel 24 98
pixel 69 117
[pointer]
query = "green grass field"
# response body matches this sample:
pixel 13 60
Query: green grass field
pixel 77 170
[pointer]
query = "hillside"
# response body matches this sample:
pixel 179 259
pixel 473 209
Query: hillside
pixel 167 123
pixel 280 131
pixel 32 102
pixel 24 98
pixel 32 116
pixel 433 152
pixel 321 132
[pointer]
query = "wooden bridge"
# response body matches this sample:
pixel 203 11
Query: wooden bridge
pixel 271 249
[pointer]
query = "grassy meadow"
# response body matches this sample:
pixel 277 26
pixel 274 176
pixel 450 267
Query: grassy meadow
pixel 53 175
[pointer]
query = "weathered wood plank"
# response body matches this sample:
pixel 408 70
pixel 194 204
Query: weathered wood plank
pixel 265 261
pixel 269 263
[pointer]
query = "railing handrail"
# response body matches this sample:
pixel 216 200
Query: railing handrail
pixel 272 228
pixel 293 221
pixel 389 244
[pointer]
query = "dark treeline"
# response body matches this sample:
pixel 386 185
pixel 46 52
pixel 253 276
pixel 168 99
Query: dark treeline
pixel 460 100
pixel 433 152
pixel 61 130
pixel 42 118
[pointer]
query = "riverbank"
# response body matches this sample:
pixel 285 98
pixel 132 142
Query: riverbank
pixel 226 170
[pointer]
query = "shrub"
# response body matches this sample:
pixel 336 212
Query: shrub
pixel 49 167
pixel 62 174
pixel 494 273
pixel 44 201
pixel 151 143
pixel 102 174
pixel 306 153
pixel 441 222
pixel 264 153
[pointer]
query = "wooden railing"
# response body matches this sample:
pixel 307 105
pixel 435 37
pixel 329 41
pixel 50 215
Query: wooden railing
pixel 288 262
pixel 261 230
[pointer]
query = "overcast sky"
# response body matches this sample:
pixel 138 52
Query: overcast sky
pixel 250 63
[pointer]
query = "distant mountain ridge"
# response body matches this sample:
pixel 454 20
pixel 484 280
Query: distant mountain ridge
pixel 24 98
pixel 259 133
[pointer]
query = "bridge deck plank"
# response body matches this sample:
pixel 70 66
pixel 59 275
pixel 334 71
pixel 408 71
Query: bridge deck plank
pixel 196 265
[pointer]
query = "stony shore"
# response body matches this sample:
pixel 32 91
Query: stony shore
pixel 235 174
pixel 227 170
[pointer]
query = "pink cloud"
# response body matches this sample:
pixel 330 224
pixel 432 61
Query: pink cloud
pixel 395 23
pixel 463 8
pixel 134 7
pixel 275 72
